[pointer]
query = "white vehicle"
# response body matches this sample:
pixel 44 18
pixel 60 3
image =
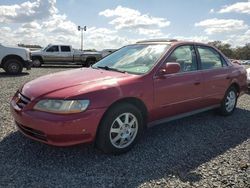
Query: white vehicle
pixel 14 59
pixel 248 79
pixel 247 62
pixel 64 54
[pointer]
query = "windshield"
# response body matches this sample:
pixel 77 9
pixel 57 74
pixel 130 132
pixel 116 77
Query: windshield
pixel 46 47
pixel 135 59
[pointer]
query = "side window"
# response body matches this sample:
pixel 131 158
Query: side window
pixel 185 56
pixel 65 49
pixel 210 59
pixel 53 49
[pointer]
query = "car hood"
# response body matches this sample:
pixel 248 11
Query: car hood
pixel 70 81
pixel 36 52
pixel 15 49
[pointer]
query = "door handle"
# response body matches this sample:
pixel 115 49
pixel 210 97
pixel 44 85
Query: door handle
pixel 228 77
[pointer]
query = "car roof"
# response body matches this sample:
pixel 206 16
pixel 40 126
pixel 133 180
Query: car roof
pixel 169 41
pixel 157 40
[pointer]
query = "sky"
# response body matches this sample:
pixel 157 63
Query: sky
pixel 115 23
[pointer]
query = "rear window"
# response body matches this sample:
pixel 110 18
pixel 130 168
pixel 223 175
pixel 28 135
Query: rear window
pixel 210 59
pixel 65 48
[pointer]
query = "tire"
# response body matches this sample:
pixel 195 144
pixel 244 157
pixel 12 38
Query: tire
pixel 90 62
pixel 229 102
pixel 13 66
pixel 36 62
pixel 120 129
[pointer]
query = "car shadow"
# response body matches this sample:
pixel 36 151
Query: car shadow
pixel 4 74
pixel 175 148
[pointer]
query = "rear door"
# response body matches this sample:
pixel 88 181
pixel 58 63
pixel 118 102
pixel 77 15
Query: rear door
pixel 66 54
pixel 215 73
pixel 181 92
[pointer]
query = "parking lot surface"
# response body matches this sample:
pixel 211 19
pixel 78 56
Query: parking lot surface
pixel 205 150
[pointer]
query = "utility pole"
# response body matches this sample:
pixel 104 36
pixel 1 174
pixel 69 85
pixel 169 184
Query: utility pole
pixel 84 28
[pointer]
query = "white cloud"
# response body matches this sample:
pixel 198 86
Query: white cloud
pixel 239 40
pixel 239 7
pixel 99 38
pixel 211 11
pixel 215 26
pixel 133 20
pixel 59 24
pixel 203 39
pixel 5 29
pixel 6 36
pixel 101 31
pixel 32 25
pixel 27 11
pixel 150 32
pixel 120 11
pixel 42 23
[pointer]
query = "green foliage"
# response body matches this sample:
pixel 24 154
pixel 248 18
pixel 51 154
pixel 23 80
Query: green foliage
pixel 233 53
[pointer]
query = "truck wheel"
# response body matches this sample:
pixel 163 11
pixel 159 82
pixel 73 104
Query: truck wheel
pixel 90 62
pixel 36 62
pixel 120 129
pixel 13 66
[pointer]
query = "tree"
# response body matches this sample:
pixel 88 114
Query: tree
pixel 242 53
pixel 224 48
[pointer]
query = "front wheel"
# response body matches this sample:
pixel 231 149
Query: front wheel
pixel 229 102
pixel 120 129
pixel 13 66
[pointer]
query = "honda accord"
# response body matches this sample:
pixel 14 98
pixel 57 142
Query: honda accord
pixel 138 86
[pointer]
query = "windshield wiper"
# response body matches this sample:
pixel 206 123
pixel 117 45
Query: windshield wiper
pixel 110 68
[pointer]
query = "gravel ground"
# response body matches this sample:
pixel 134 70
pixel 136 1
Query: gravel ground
pixel 205 150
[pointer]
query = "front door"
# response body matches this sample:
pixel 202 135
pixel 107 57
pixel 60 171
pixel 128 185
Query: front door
pixel 51 54
pixel 180 92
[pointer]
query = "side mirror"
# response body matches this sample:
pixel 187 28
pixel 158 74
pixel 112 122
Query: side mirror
pixel 170 68
pixel 236 62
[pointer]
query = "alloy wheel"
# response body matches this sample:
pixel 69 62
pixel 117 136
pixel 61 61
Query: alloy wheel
pixel 123 130
pixel 230 101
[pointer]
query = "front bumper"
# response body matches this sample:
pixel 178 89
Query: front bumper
pixel 28 64
pixel 55 129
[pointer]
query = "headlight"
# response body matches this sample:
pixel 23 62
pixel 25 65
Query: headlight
pixel 62 106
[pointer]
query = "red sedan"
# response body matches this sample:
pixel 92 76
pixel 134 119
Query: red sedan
pixel 140 85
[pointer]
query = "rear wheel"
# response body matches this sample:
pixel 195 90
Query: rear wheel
pixel 120 129
pixel 36 62
pixel 13 66
pixel 90 62
pixel 229 102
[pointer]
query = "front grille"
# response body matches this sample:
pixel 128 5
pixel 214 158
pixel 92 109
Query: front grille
pixel 32 132
pixel 21 100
